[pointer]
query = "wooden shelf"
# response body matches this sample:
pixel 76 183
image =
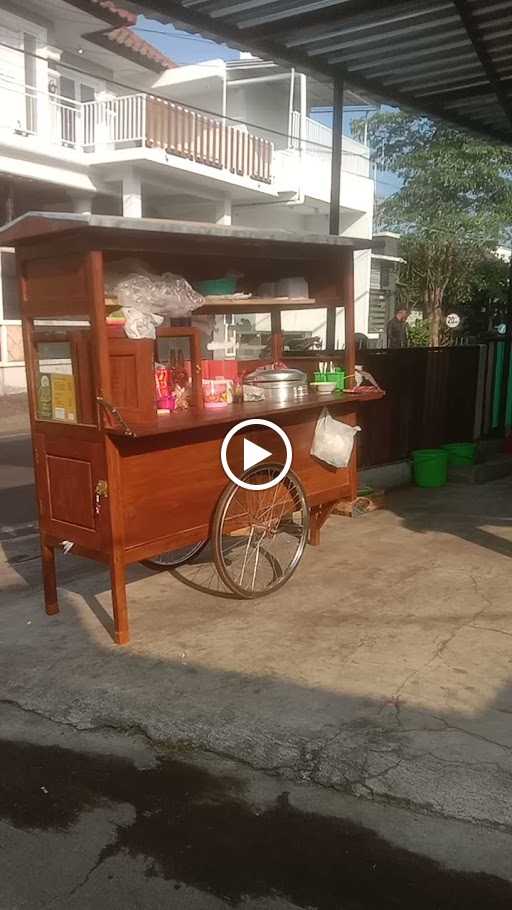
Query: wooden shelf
pixel 193 419
pixel 225 305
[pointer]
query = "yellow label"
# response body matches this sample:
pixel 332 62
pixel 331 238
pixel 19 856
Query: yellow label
pixel 63 397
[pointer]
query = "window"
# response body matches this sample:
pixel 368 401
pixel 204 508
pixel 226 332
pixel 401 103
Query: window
pixel 375 276
pixel 385 275
pixel 9 296
pixel 380 275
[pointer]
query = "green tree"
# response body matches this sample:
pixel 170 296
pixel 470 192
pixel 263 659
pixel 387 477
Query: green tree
pixel 455 200
pixel 483 300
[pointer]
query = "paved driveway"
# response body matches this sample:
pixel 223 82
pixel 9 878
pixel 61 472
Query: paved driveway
pixel 382 669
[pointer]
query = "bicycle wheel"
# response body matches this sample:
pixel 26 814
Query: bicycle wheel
pixel 171 559
pixel 258 536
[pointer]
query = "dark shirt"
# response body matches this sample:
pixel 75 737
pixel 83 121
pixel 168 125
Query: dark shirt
pixel 397 333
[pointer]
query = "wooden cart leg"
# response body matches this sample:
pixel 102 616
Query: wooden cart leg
pixel 118 584
pixel 317 518
pixel 51 603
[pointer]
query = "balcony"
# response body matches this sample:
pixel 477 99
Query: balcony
pixel 316 141
pixel 132 121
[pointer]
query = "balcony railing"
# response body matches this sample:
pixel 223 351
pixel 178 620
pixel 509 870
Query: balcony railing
pixel 134 121
pixel 192 135
pixel 317 140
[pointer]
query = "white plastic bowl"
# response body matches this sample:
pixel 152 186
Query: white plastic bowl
pixel 324 388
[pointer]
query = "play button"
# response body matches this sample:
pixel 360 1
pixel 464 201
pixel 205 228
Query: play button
pixel 253 454
pixel 240 454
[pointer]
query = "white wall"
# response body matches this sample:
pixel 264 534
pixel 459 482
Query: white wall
pixel 264 107
pixel 205 95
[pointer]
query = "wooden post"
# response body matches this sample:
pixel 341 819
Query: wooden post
pixel 113 503
pixel 336 160
pixel 49 579
pixel 100 352
pixel 347 282
pixel 277 335
pixel 118 585
pixel 51 604
pixel 196 369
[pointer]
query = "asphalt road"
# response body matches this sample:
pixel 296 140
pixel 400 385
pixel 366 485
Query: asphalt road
pixel 89 820
pixel 17 496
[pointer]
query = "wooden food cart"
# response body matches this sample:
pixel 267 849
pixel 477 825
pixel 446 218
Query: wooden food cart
pixel 122 483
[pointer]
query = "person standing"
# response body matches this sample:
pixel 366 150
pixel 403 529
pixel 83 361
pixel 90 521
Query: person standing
pixel 397 333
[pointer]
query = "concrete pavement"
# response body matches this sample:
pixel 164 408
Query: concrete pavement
pixel 105 820
pixel 382 670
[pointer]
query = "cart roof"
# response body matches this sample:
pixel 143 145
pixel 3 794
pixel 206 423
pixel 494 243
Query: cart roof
pixel 39 225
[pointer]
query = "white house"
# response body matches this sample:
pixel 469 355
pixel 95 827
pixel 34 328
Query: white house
pixel 93 118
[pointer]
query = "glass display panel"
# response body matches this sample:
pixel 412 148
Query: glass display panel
pixel 56 397
pixel 303 331
pixel 237 336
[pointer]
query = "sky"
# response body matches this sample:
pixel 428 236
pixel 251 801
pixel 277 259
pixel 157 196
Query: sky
pixel 180 46
pixel 184 48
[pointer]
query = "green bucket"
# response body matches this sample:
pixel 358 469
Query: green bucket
pixel 430 467
pixel 460 453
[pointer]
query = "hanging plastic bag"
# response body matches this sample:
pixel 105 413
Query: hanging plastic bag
pixel 333 440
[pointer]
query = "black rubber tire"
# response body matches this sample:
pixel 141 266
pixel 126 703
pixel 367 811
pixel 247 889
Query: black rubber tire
pixel 182 556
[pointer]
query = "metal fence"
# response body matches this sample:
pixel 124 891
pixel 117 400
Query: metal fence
pixel 433 396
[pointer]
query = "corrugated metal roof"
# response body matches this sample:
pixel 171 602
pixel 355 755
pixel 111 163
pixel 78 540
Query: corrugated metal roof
pixel 447 58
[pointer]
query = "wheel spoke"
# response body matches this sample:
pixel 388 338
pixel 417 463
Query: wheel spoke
pixel 245 556
pixel 256 561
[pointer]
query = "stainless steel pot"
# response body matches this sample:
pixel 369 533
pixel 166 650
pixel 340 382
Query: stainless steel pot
pixel 279 384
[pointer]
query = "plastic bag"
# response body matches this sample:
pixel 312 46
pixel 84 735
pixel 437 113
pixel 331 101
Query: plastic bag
pixel 333 441
pixel 141 325
pixel 137 288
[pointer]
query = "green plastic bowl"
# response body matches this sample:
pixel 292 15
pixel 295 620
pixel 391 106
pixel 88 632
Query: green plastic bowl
pixel 217 287
pixel 430 467
pixel 460 453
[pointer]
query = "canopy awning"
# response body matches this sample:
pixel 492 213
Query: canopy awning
pixel 449 59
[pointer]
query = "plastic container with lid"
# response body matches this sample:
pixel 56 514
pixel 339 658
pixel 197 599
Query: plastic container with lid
pixel 217 393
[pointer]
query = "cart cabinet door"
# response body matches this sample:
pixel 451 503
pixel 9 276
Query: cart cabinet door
pixel 72 490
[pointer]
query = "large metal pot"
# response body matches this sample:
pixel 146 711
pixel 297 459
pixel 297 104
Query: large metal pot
pixel 279 383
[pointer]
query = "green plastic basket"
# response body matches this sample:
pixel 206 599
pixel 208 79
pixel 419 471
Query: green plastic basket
pixel 430 467
pixel 217 287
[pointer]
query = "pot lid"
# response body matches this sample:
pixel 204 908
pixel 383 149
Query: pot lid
pixel 276 374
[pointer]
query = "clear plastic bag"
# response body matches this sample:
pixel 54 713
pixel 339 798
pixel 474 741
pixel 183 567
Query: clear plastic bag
pixel 141 325
pixel 137 288
pixel 333 440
